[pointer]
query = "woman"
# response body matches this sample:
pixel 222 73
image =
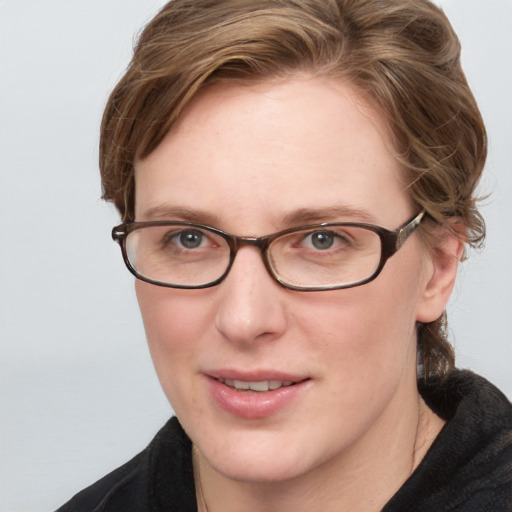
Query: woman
pixel 297 184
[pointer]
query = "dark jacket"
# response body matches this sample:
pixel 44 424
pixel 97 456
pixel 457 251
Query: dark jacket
pixel 467 469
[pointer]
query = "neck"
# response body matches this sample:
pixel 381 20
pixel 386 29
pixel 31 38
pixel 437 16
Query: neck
pixel 350 482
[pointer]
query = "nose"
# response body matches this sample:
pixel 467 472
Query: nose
pixel 251 305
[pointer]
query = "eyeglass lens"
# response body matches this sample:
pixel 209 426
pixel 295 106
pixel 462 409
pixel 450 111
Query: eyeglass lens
pixel 188 255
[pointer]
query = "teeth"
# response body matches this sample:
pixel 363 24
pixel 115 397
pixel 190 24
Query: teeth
pixel 239 384
pixel 264 385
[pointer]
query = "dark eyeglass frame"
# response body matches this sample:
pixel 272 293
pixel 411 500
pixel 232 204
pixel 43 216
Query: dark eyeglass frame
pixel 391 242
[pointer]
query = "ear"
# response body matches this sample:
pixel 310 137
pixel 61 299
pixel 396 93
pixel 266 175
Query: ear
pixel 441 270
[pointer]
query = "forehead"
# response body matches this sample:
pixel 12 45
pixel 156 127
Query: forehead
pixel 258 152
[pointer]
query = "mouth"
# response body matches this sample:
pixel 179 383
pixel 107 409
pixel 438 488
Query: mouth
pixel 256 395
pixel 261 386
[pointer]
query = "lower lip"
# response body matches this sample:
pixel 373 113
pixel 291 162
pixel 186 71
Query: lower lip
pixel 255 404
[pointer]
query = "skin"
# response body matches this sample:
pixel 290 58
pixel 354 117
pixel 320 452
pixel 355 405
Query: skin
pixel 245 159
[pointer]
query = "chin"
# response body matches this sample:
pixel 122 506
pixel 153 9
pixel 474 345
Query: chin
pixel 258 456
pixel 263 470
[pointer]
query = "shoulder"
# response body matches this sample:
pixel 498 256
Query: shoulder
pixel 117 491
pixel 137 485
pixel 469 466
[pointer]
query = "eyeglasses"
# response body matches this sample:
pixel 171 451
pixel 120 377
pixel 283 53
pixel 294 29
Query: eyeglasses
pixel 316 257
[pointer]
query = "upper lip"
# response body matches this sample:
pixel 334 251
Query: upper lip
pixel 256 375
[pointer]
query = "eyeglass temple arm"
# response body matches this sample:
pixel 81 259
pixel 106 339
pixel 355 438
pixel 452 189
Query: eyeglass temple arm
pixel 406 231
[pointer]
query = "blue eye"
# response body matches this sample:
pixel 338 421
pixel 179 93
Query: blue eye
pixel 322 240
pixel 191 239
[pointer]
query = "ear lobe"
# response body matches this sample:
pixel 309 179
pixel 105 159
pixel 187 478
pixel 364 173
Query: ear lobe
pixel 443 262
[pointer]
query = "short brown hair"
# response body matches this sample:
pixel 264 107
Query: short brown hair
pixel 402 54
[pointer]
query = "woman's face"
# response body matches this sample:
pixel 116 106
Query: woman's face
pixel 253 160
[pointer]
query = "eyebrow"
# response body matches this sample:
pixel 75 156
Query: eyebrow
pixel 166 212
pixel 293 218
pixel 328 214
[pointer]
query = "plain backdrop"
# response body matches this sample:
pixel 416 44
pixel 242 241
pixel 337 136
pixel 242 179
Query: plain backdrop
pixel 78 392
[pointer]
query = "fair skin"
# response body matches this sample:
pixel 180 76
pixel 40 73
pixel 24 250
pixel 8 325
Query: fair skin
pixel 253 160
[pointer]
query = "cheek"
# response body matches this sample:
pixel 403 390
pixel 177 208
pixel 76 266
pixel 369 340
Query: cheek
pixel 363 332
pixel 174 321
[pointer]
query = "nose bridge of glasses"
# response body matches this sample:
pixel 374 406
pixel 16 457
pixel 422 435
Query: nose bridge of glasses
pixel 261 243
pixel 239 241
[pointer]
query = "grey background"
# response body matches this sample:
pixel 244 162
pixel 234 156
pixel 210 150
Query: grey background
pixel 78 391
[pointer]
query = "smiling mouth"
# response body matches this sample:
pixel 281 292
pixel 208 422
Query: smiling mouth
pixel 258 386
